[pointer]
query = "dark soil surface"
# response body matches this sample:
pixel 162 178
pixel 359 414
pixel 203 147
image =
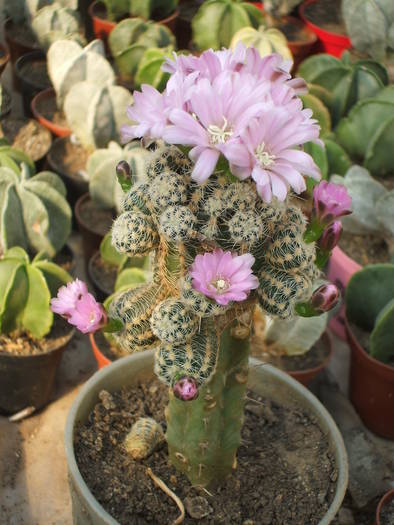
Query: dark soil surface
pixel 327 15
pixel 27 135
pixel 387 514
pixel 96 219
pixel 103 274
pixel 21 343
pixel 48 109
pixel 365 249
pixel 285 472
pixel 36 73
pixel 70 159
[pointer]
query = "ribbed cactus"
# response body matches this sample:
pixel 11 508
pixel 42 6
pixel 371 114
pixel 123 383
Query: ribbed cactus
pixel 199 341
pixel 149 69
pixel 217 21
pixel 147 9
pixel 145 435
pixel 370 25
pixel 69 63
pixel 95 113
pixel 26 289
pixel 35 214
pixel 23 11
pixel 130 39
pixel 265 40
pixel 348 82
pixel 105 191
pixel 55 22
pixel 370 306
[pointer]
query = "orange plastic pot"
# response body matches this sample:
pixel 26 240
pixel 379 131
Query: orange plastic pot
pixel 371 388
pixel 101 359
pixel 101 26
pixel 389 496
pixel 305 376
pixel 59 131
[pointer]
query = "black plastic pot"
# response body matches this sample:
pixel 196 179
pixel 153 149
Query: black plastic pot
pixel 27 381
pixel 101 291
pixel 28 85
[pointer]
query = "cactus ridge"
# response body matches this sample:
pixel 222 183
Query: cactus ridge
pixel 177 223
pixel 287 249
pixel 168 159
pixel 173 322
pixel 134 234
pixel 145 435
pixel 136 199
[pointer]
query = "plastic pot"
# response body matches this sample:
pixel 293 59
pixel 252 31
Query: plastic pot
pixel 340 269
pixel 5 56
pixel 101 359
pixel 16 48
pixel 36 105
pixel 371 388
pixel 30 86
pixel 28 380
pixel 101 26
pixel 306 376
pixel 130 370
pixel 389 496
pixel 332 43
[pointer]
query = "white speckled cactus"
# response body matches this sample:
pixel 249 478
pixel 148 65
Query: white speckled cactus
pixel 69 63
pixel 55 22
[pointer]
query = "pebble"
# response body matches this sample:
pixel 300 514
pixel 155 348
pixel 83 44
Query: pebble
pixel 197 507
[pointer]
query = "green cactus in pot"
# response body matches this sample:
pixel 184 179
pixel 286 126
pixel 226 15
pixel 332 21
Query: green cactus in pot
pixel 146 9
pixel 149 69
pixel 266 40
pixel 55 22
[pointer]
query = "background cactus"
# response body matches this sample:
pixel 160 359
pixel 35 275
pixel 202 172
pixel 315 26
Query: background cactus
pixel 35 214
pixel 370 26
pixel 370 306
pixel 347 82
pixel 265 40
pixel 55 22
pixel 69 63
pixel 149 69
pixel 147 9
pixel 22 11
pixel 26 289
pixel 96 113
pixel 131 38
pixel 217 21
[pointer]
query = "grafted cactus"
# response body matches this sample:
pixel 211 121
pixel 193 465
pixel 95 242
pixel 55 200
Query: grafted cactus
pixel 69 63
pixel 26 289
pixel 96 113
pixel 131 38
pixel 217 21
pixel 370 306
pixel 370 26
pixel 347 82
pixel 55 22
pixel 35 214
pixel 105 191
pixel 265 40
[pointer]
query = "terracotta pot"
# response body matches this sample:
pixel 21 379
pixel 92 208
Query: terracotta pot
pixel 101 359
pixel 58 131
pixel 371 388
pixel 101 26
pixel 5 57
pixel 29 86
pixel 389 496
pixel 332 43
pixel 16 48
pixel 264 380
pixel 306 376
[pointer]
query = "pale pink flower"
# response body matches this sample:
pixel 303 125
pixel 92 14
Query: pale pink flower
pixel 88 315
pixel 223 276
pixel 67 297
pixel 330 201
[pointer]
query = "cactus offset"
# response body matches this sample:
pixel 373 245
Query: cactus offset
pixel 145 435
pixel 265 40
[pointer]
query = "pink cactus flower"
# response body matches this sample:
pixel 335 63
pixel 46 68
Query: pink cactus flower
pixel 67 297
pixel 325 297
pixel 330 201
pixel 331 236
pixel 186 389
pixel 223 276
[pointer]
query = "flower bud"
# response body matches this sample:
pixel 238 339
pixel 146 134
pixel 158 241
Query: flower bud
pixel 330 237
pixel 330 201
pixel 325 297
pixel 123 169
pixel 186 389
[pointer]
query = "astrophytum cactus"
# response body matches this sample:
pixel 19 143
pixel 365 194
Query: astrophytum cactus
pixel 55 22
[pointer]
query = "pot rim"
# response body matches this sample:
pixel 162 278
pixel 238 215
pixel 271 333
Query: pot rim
pixel 47 93
pixel 299 374
pixel 342 39
pixel 148 355
pixel 93 14
pixel 385 499
pixel 311 36
pixel 31 56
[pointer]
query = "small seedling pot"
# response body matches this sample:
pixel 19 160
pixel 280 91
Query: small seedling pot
pixel 371 388
pixel 389 496
pixel 36 108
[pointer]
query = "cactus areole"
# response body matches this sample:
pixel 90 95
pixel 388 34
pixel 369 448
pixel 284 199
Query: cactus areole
pixel 215 213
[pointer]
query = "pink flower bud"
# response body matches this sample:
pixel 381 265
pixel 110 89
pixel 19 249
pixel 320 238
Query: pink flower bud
pixel 186 389
pixel 325 297
pixel 331 236
pixel 330 201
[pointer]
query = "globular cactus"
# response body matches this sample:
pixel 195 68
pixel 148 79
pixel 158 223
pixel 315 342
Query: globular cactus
pixel 55 22
pixel 149 68
pixel 168 159
pixel 217 21
pixel 370 26
pixel 26 288
pixel 172 322
pixel 199 303
pixel 287 249
pixel 367 133
pixel 144 437
pixel 23 11
pixel 131 38
pixel 35 214
pixel 95 113
pixel 370 306
pixel 134 233
pixel 177 223
pixel 246 229
pixel 167 189
pixel 147 9
pixel 265 40
pixel 372 204
pixel 348 82
pixel 105 191
pixel 137 199
pixel 69 63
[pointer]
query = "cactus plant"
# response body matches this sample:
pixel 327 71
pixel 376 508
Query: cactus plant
pixel 149 69
pixel 131 38
pixel 347 82
pixel 217 21
pixel 23 11
pixel 96 113
pixel 146 9
pixel 370 306
pixel 54 22
pixel 370 26
pixel 35 214
pixel 367 133
pixel 69 63
pixel 26 289
pixel 265 40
